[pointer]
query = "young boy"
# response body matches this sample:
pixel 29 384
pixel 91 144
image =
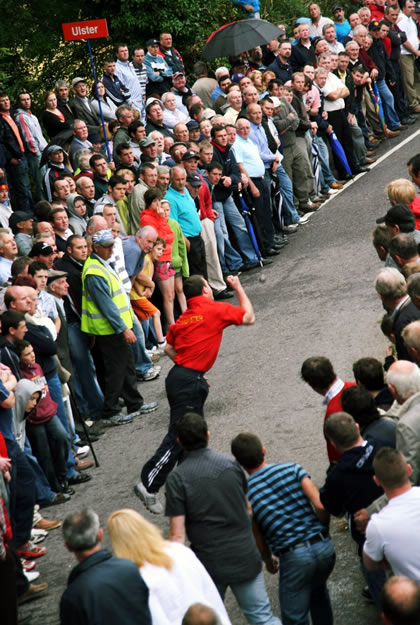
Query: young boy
pixel 21 225
pixel 39 271
pixel 48 438
pixel 143 287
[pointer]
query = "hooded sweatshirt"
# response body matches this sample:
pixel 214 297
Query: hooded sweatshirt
pixel 77 222
pixel 46 407
pixel 23 392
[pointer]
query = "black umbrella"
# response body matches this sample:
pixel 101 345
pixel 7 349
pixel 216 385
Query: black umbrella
pixel 236 37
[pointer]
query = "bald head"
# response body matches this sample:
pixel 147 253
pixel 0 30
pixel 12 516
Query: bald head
pixel 411 337
pixel 390 285
pixel 403 379
pixel 401 601
pixel 200 614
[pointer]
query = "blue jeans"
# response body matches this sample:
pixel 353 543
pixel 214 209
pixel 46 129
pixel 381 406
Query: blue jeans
pixel 291 216
pixel 89 395
pixel 141 357
pixel 375 581
pixel 327 177
pixel 54 386
pixel 43 493
pixel 302 584
pixel 253 600
pixel 229 212
pixel 21 494
pixel 19 180
pixel 387 98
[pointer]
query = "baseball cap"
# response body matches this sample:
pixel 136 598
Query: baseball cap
pixel 189 155
pixel 103 238
pixel 146 142
pixel 276 101
pixel 151 101
pixel 237 77
pixel 194 180
pixel 398 215
pixel 178 74
pixel 192 124
pixel 374 26
pixel 177 144
pixel 51 149
pixel 17 217
pixel 152 42
pixel 337 7
pixel 75 81
pixel 208 114
pixel 41 249
pixel 54 274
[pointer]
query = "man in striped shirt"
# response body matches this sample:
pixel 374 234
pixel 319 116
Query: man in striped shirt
pixel 289 531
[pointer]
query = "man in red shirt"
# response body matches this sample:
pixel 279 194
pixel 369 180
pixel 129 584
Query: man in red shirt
pixel 193 343
pixel 319 373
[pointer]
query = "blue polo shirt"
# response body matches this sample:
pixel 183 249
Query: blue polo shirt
pixel 184 211
pixel 6 415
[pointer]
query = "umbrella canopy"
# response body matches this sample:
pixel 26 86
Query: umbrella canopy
pixel 236 37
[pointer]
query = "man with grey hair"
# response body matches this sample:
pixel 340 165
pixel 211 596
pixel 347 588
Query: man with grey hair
pixel 62 91
pixel 234 99
pixel 100 588
pixel 404 249
pixel 411 338
pixel 86 188
pixel 391 287
pixel 8 253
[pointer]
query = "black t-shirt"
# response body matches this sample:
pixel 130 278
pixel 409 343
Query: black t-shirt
pixel 209 489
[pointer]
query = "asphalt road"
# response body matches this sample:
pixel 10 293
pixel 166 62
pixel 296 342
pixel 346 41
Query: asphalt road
pixel 318 299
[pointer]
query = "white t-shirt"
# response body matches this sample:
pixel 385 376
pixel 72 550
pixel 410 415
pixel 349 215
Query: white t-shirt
pixel 316 31
pixel 409 27
pixel 333 83
pixel 393 534
pixel 172 592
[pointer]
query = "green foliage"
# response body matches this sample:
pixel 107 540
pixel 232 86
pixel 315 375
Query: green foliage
pixel 33 54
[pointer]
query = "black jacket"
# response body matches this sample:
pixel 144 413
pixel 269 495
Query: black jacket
pixel 302 56
pixel 11 147
pixel 379 56
pixel 44 347
pixel 72 301
pixel 9 357
pixel 106 590
pixel 283 71
pixel 230 168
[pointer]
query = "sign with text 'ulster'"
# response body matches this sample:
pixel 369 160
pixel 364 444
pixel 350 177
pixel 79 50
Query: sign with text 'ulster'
pixel 92 29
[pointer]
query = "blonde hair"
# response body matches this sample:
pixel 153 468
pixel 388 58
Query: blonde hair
pixel 252 75
pixel 136 539
pixel 401 191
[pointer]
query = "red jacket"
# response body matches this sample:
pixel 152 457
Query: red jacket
pixel 334 405
pixel 149 217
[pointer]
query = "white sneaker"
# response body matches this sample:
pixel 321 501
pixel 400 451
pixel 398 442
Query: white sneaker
pixel 31 576
pixel 82 452
pixel 333 191
pixel 305 218
pixel 150 500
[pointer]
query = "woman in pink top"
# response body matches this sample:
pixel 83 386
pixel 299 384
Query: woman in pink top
pixel 153 215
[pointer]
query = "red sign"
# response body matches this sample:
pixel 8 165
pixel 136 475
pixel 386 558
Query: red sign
pixel 85 30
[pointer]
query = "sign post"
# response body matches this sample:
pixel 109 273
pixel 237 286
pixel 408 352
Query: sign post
pixel 90 29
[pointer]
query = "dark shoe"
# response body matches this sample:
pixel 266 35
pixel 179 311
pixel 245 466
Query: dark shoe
pixel 93 438
pixel 80 478
pixel 66 490
pixel 249 266
pixel 58 499
pixel 272 252
pixel 392 133
pixel 146 408
pixel 403 126
pixel 266 261
pixel 97 429
pixel 366 594
pixel 278 245
pixel 117 419
pixel 33 592
pixel 371 160
pixel 24 620
pixel 225 294
pixel 361 169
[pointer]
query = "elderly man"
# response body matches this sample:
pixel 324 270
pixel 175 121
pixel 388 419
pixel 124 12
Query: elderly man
pixel 126 597
pixel 107 314
pixel 391 287
pixel 86 188
pixel 8 253
pixel 124 115
pixel 391 535
pixel 184 211
pixel 400 601
pixel 329 34
pixel 234 100
pixel 80 140
pixel 81 107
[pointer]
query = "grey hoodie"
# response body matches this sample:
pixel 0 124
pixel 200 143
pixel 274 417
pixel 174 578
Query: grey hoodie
pixel 77 222
pixel 23 392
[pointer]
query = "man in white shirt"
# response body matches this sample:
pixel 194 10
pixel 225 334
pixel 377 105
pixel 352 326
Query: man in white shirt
pixel 392 534
pixel 8 253
pixel 409 53
pixel 317 20
pixel 127 75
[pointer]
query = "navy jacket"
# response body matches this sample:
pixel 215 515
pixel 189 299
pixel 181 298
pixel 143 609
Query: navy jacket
pixel 283 71
pixel 103 590
pixel 226 158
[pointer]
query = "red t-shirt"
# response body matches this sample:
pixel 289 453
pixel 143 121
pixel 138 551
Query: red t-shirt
pixel 334 405
pixel 197 333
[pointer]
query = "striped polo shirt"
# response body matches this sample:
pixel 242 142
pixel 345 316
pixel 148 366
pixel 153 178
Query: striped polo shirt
pixel 280 506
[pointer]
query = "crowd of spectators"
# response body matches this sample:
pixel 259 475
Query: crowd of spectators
pixel 208 177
